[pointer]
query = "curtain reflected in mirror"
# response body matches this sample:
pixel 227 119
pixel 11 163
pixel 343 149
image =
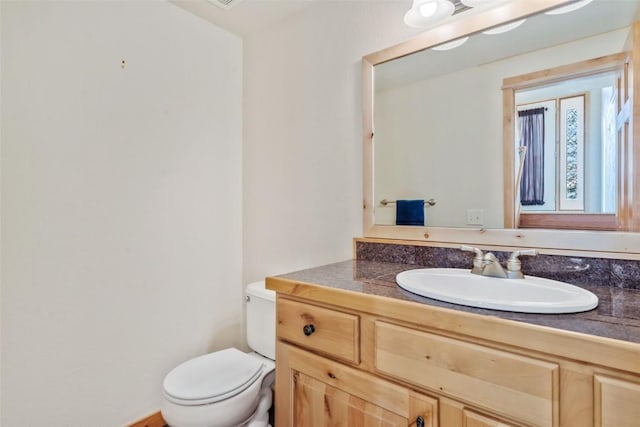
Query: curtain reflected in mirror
pixel 532 138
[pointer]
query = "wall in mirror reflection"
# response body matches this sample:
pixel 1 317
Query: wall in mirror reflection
pixel 441 138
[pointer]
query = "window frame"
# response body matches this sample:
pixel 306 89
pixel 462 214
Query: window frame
pixel 513 218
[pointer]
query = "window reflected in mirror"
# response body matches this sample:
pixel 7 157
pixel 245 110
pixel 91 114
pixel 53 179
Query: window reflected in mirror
pixel 569 129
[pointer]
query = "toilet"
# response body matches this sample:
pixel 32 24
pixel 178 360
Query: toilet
pixel 228 388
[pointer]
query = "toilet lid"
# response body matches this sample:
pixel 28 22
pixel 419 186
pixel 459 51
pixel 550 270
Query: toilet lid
pixel 212 377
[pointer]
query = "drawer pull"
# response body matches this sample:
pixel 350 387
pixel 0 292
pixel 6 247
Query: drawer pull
pixel 308 329
pixel 420 421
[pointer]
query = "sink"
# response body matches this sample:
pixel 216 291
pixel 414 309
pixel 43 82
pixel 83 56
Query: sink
pixel 528 295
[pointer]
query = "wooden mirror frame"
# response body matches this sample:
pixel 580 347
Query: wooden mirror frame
pixel 611 244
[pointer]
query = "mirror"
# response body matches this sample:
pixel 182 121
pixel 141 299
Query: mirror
pixel 422 147
pixel 436 127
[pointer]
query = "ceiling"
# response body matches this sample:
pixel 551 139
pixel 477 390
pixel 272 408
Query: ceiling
pixel 244 16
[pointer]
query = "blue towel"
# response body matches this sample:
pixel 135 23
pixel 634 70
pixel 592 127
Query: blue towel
pixel 410 212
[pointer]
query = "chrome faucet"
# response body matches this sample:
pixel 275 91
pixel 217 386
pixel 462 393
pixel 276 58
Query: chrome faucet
pixel 514 266
pixel 478 261
pixel 488 265
pixel 492 267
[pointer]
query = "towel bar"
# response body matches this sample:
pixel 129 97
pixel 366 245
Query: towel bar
pixel 385 202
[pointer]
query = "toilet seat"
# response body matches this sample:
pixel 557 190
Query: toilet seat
pixel 212 377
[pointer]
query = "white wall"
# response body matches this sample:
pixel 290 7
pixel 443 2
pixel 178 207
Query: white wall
pixel 303 132
pixel 121 205
pixel 433 155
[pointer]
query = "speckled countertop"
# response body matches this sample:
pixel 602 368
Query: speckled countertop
pixel 617 315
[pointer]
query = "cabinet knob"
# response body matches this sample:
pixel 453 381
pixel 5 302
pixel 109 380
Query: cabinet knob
pixel 420 421
pixel 308 329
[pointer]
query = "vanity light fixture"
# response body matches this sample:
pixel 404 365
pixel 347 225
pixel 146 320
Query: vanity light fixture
pixel 452 44
pixel 427 12
pixel 504 28
pixel 568 8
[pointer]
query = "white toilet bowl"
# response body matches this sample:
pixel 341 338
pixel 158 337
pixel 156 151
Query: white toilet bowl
pixel 228 388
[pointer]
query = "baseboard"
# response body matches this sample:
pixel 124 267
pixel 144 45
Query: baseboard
pixel 153 420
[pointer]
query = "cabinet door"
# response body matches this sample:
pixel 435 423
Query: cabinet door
pixel 617 402
pixel 472 419
pixel 316 392
pixel 317 404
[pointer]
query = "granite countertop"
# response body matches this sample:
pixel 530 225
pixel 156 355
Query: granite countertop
pixel 617 315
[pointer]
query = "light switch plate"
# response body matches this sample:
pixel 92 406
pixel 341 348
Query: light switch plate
pixel 475 216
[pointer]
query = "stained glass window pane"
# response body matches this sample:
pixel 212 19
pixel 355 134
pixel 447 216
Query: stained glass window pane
pixel 572 154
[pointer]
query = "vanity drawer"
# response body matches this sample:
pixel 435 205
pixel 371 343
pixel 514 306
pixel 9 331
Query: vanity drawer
pixel 515 386
pixel 321 329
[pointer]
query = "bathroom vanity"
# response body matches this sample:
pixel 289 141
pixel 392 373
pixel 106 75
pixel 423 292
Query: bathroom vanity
pixel 354 349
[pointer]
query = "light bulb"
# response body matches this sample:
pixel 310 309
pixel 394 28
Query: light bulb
pixel 424 13
pixel 428 9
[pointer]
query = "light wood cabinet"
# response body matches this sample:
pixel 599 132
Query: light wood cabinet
pixel 472 419
pixel 319 329
pixel 319 404
pixel 617 402
pixel 322 393
pixel 373 362
pixel 523 387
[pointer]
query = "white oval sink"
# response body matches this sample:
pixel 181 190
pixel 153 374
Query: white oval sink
pixel 528 295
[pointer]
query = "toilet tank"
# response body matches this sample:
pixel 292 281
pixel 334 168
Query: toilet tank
pixel 261 319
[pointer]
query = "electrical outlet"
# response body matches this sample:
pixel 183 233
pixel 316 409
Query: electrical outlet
pixel 475 216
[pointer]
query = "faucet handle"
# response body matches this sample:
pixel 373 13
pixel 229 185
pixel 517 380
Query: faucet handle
pixel 478 262
pixel 514 264
pixel 471 249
